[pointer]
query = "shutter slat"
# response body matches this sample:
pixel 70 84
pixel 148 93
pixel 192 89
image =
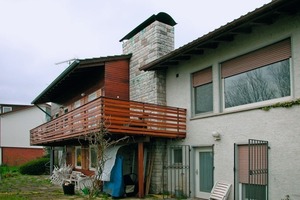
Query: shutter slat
pixel 261 57
pixel 202 77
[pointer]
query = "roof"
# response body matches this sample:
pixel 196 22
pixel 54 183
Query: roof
pixel 161 17
pixel 16 108
pixel 80 71
pixel 264 15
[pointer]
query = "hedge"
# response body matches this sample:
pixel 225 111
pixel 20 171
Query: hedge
pixel 35 167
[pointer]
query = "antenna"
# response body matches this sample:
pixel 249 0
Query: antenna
pixel 68 61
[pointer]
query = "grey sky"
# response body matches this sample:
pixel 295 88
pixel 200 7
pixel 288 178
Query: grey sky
pixel 36 34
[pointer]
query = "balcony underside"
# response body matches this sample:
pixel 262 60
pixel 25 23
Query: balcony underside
pixel 114 117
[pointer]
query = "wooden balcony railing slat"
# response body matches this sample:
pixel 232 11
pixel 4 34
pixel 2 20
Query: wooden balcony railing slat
pixel 119 117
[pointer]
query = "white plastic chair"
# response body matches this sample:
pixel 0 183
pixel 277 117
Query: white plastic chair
pixel 74 178
pixel 220 191
pixel 85 182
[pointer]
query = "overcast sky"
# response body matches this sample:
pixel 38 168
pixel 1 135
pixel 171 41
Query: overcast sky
pixel 35 35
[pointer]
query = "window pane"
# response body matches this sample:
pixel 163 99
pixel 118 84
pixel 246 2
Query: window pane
pixel 177 156
pixel 206 171
pixel 78 157
pixel 93 157
pixel 265 83
pixel 204 98
pixel 7 109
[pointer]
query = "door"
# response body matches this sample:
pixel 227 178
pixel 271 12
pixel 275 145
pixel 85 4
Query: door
pixel 252 173
pixel 203 172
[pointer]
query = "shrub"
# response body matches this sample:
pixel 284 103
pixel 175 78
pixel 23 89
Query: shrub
pixel 35 167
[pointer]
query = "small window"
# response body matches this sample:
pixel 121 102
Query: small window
pixel 78 157
pixel 93 157
pixel 203 91
pixel 92 96
pixel 6 109
pixel 77 104
pixel 48 115
pixel 177 156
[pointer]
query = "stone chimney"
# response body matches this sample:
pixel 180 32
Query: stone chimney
pixel 147 42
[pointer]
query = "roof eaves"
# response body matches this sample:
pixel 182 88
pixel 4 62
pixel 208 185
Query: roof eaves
pixel 68 70
pixel 213 34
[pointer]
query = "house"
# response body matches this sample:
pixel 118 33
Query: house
pixel 240 84
pixel 213 109
pixel 105 94
pixel 15 123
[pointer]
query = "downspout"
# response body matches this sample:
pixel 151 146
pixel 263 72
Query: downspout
pixel 43 111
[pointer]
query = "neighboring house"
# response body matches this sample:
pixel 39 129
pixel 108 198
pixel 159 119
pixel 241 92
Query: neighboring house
pixel 227 79
pixel 15 123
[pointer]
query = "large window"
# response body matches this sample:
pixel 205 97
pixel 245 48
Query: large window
pixel 257 76
pixel 203 91
pixel 265 83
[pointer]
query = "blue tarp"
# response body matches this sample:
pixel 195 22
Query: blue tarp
pixel 115 187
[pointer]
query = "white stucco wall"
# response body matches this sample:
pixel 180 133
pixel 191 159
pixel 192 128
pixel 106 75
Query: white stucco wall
pixel 279 126
pixel 15 127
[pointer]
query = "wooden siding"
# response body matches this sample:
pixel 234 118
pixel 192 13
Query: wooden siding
pixel 118 116
pixel 117 79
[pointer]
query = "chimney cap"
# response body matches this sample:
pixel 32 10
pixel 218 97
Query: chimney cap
pixel 161 17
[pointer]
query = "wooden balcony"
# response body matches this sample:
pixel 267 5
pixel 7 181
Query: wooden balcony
pixel 117 116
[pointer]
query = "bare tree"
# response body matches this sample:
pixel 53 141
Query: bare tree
pixel 101 140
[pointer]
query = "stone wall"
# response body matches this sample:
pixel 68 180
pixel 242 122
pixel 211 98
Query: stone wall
pixel 152 42
pixel 149 44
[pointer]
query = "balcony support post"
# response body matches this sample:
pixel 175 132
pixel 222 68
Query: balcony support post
pixel 141 193
pixel 51 159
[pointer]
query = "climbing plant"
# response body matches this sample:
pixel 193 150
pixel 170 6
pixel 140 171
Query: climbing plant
pixel 286 104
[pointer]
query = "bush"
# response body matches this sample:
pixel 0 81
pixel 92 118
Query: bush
pixel 8 171
pixel 35 167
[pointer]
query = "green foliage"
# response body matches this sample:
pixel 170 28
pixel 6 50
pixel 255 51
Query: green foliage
pixel 7 171
pixel 287 104
pixel 35 167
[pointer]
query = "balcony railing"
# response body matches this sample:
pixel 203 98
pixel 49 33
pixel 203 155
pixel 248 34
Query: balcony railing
pixel 117 117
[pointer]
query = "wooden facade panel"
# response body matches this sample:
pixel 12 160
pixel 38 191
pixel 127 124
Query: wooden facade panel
pixel 117 79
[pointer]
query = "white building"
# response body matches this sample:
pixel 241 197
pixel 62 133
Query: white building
pixel 227 79
pixel 15 123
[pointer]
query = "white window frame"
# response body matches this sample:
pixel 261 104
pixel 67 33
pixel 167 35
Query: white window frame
pixel 261 103
pixel 6 109
pixel 193 93
pixel 177 164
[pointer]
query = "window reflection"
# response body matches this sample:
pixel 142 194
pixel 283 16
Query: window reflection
pixel 265 83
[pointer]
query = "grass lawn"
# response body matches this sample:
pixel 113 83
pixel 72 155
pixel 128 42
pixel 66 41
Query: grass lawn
pixel 15 186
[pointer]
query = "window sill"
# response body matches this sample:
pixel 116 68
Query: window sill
pixel 254 106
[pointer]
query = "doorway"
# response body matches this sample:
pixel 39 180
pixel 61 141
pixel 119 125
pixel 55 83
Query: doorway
pixel 203 171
